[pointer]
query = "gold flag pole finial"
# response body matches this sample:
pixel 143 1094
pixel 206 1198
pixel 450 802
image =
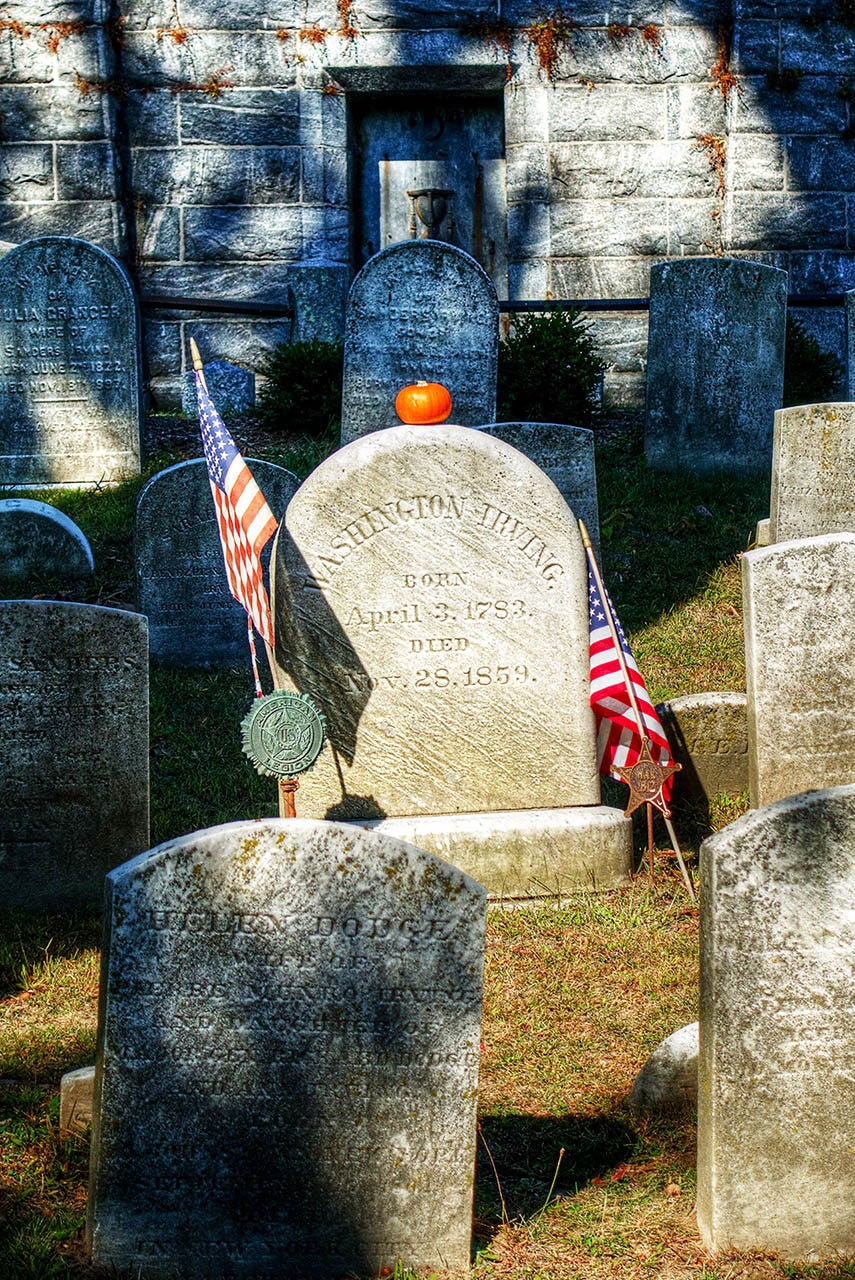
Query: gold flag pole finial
pixel 197 362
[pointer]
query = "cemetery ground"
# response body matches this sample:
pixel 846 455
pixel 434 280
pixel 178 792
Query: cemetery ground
pixel 576 995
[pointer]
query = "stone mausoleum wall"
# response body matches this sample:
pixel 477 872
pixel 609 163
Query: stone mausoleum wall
pixel 227 150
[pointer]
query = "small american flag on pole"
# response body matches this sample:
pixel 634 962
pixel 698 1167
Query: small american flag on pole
pixel 244 519
pixel 618 737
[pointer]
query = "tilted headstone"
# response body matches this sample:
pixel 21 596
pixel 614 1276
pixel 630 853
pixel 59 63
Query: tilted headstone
pixel 194 620
pixel 800 659
pixel 420 311
pixel 231 388
pixel 38 542
pixel 715 364
pixel 430 594
pixel 813 464
pixel 776 1098
pixel 69 366
pixel 566 454
pixel 708 733
pixel 74 749
pixel 288 1057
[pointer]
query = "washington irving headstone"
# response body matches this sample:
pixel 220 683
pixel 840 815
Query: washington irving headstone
pixel 419 311
pixel 74 749
pixel 776 1167
pixel 69 366
pixel 288 1057
pixel 181 581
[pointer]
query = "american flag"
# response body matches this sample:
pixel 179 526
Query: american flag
pixel 244 519
pixel 618 738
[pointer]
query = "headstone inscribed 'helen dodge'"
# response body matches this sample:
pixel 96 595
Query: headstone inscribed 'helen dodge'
pixel 813 464
pixel 194 620
pixel 715 364
pixel 424 311
pixel 431 595
pixel 799 657
pixel 74 749
pixel 776 1166
pixel 566 454
pixel 37 541
pixel 69 366
pixel 334 970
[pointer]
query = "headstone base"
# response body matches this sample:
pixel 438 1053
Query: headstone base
pixel 525 853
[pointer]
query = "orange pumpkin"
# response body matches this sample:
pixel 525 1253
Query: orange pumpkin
pixel 423 402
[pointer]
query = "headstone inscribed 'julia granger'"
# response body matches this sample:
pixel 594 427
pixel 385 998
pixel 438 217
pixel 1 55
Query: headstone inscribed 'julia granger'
pixel 74 749
pixel 194 620
pixel 431 596
pixel 776 1095
pixel 566 454
pixel 420 311
pixel 800 659
pixel 288 1057
pixel 69 366
pixel 812 468
pixel 715 364
pixel 37 541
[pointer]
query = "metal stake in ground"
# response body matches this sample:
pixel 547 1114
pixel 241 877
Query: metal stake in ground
pixel 283 734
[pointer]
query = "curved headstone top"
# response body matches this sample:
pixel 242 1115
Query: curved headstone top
pixel 420 310
pixel 70 384
pixel 38 541
pixel 430 593
pixel 715 364
pixel 566 454
pixel 194 620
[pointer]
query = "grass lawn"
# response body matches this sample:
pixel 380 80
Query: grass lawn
pixel 576 996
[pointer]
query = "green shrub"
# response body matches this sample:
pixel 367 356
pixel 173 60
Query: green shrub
pixel 811 375
pixel 549 370
pixel 303 392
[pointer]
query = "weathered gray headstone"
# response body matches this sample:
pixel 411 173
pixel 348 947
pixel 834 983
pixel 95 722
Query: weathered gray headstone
pixel 566 454
pixel 194 620
pixel 288 1057
pixel 69 366
pixel 37 541
pixel 232 389
pixel 75 1098
pixel 422 311
pixel 708 733
pixel 850 343
pixel 74 749
pixel 776 1088
pixel 668 1081
pixel 813 465
pixel 800 660
pixel 715 364
pixel 430 593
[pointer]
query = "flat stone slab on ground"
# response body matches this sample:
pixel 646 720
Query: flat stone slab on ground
pixel 419 311
pixel 288 1057
pixel 38 541
pixel 776 1098
pixel 70 385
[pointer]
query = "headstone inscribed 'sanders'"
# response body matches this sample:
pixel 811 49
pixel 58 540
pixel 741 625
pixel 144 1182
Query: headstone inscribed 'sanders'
pixel 715 364
pixel 288 1057
pixel 813 465
pixel 194 620
pixel 422 311
pixel 74 749
pixel 69 366
pixel 566 455
pixel 37 542
pixel 776 1168
pixel 431 596
pixel 800 660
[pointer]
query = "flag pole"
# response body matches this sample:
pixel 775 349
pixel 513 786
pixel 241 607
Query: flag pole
pixel 618 647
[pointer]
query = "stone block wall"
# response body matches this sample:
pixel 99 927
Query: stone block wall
pixel 211 147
